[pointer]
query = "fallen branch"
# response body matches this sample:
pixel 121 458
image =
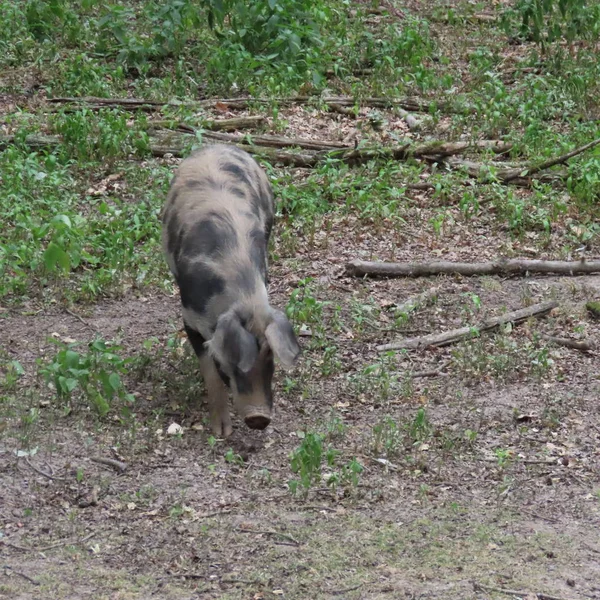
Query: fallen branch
pixel 342 110
pixel 480 587
pixel 119 466
pixel 216 125
pixel 360 268
pixel 583 346
pixel 95 103
pixel 34 142
pixel 436 149
pixel 523 173
pixel 560 160
pixel 456 335
pixel 177 144
pixel 276 141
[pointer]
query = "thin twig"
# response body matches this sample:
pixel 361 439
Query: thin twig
pixel 590 547
pixel 344 590
pixel 319 508
pixel 15 546
pixel 81 319
pixel 237 580
pixel 285 536
pixel 66 543
pixel 217 513
pixel 526 461
pixel 50 546
pixel 536 515
pixel 21 574
pixel 39 471
pixel 480 587
pixel 119 466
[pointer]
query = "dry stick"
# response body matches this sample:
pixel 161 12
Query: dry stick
pixel 456 335
pixel 360 268
pixel 81 319
pixel 344 591
pixel 480 587
pixel 43 473
pixel 276 141
pixel 51 546
pixel 174 144
pixel 583 346
pixel 110 462
pixel 285 536
pixel 217 125
pixel 20 574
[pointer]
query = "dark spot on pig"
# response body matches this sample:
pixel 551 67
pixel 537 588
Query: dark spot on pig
pixel 237 191
pixel 212 236
pixel 266 195
pixel 224 377
pixel 207 183
pixel 238 171
pixel 196 340
pixel 245 280
pixel 268 227
pixel 243 383
pixel 198 283
pixel 174 235
pixel 258 251
pixel 256 201
pixel 244 156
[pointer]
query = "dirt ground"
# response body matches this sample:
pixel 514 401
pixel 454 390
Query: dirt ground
pixel 182 522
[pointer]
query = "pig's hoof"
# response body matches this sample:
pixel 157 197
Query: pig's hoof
pixel 257 422
pixel 221 428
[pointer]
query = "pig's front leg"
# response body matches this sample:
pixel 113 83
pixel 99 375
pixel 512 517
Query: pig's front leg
pixel 220 420
pixel 218 395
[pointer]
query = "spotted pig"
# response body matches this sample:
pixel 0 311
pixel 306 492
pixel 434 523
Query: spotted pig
pixel 216 227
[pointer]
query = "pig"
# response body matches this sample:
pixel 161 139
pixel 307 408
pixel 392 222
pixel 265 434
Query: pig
pixel 216 226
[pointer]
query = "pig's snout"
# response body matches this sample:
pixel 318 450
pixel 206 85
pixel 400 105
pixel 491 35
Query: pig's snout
pixel 257 421
pixel 256 416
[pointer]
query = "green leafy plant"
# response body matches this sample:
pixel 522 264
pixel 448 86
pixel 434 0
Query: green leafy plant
pixel 309 459
pixel 95 375
pixel 546 21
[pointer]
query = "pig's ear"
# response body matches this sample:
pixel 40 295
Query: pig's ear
pixel 282 339
pixel 232 344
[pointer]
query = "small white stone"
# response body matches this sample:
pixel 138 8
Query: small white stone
pixel 175 429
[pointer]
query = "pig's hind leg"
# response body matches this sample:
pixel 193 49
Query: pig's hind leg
pixel 218 396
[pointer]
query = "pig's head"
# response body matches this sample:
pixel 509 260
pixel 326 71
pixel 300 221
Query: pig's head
pixel 244 349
